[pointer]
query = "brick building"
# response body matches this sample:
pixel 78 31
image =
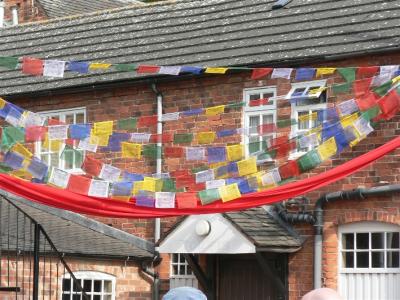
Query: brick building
pixel 360 236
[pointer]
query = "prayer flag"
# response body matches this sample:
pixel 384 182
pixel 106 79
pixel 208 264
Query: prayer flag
pixel 168 185
pixel 245 187
pixel 99 66
pixel 13 160
pixel 152 151
pixel 79 184
pixel 146 121
pixel 341 88
pixel 325 71
pixel 11 135
pixel 206 137
pixel 78 66
pixel 170 116
pixel 58 132
pixel 389 105
pixel 130 150
pixel 215 110
pixel 173 152
pixel 103 128
pixel 310 140
pixel 256 147
pixel 165 200
pixel 146 199
pixel 209 196
pixel 53 146
pixel 37 168
pixel 380 79
pixel 204 176
pixel 13 117
pixel 32 66
pixel 99 188
pixel 260 102
pixel 309 161
pixel 79 131
pixel 190 69
pixel 214 184
pixel 197 153
pixel 226 132
pixel 281 73
pixel 121 188
pixel 327 149
pixel 229 192
pixel 271 178
pixel 54 68
pixel 371 113
pixel 367 71
pixel 259 73
pixel 389 70
pixel 266 128
pixel 288 170
pixel 363 127
pixel 183 138
pixel 20 149
pixel 193 112
pixel 347 107
pixel 31 119
pixel 216 154
pixel 383 88
pixel 152 184
pixel 304 74
pixel 361 87
pixel 35 133
pixel 109 173
pixel 9 62
pixel 126 176
pixel 234 152
pixel 349 74
pixel 349 120
pixel 59 178
pixel 127 124
pixel 285 123
pixel 125 67
pixel 143 69
pixel 367 101
pixel 170 70
pixel 92 166
pixel 86 145
pixel 140 137
pixel 216 70
pixel 186 200
pixel 247 166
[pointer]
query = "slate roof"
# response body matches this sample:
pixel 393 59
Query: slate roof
pixel 61 8
pixel 266 230
pixel 203 32
pixel 71 233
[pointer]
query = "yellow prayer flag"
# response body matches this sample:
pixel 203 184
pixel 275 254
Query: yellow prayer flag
pixel 121 198
pixel 217 165
pixel 359 137
pixel 22 150
pixel 23 174
pixel 216 70
pixel 325 71
pixel 2 103
pixel 152 184
pixel 99 140
pixel 349 120
pixel 215 110
pixel 137 186
pixel 317 91
pixel 131 150
pixel 247 166
pixel 304 118
pixel 53 146
pixel 396 79
pixel 234 152
pixel 327 149
pixel 229 192
pixel 99 66
pixel 206 137
pixel 103 128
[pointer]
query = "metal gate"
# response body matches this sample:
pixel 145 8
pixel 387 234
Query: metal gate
pixel 30 265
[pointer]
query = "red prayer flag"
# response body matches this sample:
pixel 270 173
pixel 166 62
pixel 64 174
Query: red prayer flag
pixel 173 152
pixel 260 73
pixel 35 133
pixel 147 69
pixel 283 149
pixel 367 71
pixel 52 122
pixel 367 101
pixel 92 166
pixel 196 187
pixel 186 181
pixel 78 184
pixel 361 87
pixel 288 170
pixel 259 102
pixel 180 173
pixel 32 66
pixel 389 105
pixel 165 138
pixel 266 128
pixel 147 121
pixel 186 200
pixel 279 140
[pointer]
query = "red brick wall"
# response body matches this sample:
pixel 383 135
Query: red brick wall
pixel 183 94
pixel 28 10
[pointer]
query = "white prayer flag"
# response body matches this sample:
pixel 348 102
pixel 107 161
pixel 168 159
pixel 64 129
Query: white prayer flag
pixel 271 178
pixel 381 79
pixel 363 126
pixel 214 184
pixel 109 173
pixel 54 68
pixel 11 119
pixel 170 116
pixel 31 119
pixel 348 107
pixel 165 200
pixel 281 73
pixel 99 188
pixel 170 70
pixel 59 178
pixel 58 132
pixel 204 176
pixel 389 70
pixel 309 140
pixel 140 137
pixel 195 153
pixel 86 145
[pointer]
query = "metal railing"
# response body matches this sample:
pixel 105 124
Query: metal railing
pixel 31 267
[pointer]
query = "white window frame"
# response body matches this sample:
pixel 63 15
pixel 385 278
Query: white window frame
pixel 92 275
pixel 179 264
pixel 61 114
pixel 366 227
pixel 257 111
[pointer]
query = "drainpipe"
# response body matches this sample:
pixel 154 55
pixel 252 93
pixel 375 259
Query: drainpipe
pixel 1 13
pixel 292 218
pixel 357 194
pixel 157 222
pixel 156 280
pixel 14 12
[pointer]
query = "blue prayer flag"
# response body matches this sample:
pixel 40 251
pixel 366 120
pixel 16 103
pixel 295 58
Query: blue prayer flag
pixel 79 131
pixel 216 154
pixel 226 132
pixel 37 168
pixel 146 199
pixel 126 176
pixel 189 69
pixel 244 187
pixel 13 160
pixel 330 130
pixel 305 74
pixel 233 167
pixel 4 111
pixel 341 141
pixel 121 188
pixel 192 112
pixel 328 115
pixel 78 66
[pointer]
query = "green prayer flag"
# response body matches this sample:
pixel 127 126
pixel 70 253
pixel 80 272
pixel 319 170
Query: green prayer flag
pixel 12 135
pixel 152 151
pixel 127 124
pixel 257 146
pixel 168 185
pixel 183 138
pixel 341 88
pixel 8 62
pixel 349 74
pixel 383 89
pixel 199 169
pixel 209 196
pixel 309 161
pixel 125 67
pixel 72 157
pixel 4 169
pixel 285 123
pixel 371 113
pixel 283 182
pixel 272 153
pixel 235 105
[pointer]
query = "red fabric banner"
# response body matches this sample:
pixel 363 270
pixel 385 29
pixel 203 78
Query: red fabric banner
pixel 65 199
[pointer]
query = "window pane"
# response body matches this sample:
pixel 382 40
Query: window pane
pixel 54 159
pixel 393 259
pixel 175 269
pixel 303 123
pixel 378 240
pixel 254 121
pixel 255 96
pixel 268 96
pixel 80 118
pixel 348 241
pixel 76 297
pixel 97 286
pixel 268 119
pixel 75 286
pixel 175 258
pixel 182 259
pixel 348 259
pixel 107 286
pixel 69 119
pixel 392 240
pixel 108 297
pixel 378 259
pixel 66 285
pixel 96 297
pixel 362 260
pixel 66 297
pixel 87 285
pixel 182 270
pixel 362 240
pixel 189 270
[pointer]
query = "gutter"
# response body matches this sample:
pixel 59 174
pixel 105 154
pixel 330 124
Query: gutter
pixel 156 280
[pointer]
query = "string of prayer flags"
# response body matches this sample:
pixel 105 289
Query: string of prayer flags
pixel 81 67
pixel 8 62
pixel 195 153
pixel 145 199
pixel 170 70
pixel 229 192
pixel 234 152
pixel 325 71
pixel 183 138
pixel 186 200
pixel 92 166
pixel 281 73
pixel 99 188
pixel 165 200
pixel 54 68
pixel 309 161
pixel 131 150
pixel 152 151
pixel 37 168
pixel 349 74
pixel 215 70
pixel 32 66
pixel 367 71
pixel 247 166
pixel 216 154
pixel 303 74
pixel 259 73
pixel 13 160
pixel 59 178
pixel 79 184
pixel 327 149
pixel 103 128
pixel 209 196
pixel 215 110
